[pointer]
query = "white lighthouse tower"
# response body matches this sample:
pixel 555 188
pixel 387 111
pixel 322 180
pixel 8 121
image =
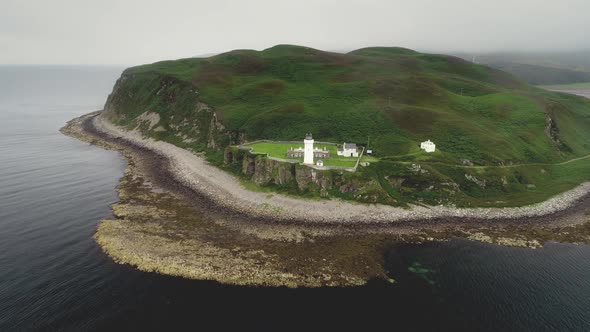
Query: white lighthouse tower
pixel 308 152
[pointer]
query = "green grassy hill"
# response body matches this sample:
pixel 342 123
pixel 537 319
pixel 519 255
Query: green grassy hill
pixel 393 98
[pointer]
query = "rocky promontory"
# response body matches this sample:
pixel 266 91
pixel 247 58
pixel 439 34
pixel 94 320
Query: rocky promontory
pixel 168 224
pixel 195 172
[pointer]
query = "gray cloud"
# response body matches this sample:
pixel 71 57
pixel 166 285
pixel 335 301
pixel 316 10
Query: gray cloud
pixel 134 31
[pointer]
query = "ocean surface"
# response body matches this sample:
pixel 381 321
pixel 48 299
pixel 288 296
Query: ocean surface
pixel 53 276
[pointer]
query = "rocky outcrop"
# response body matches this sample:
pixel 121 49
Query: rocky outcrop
pixel 552 132
pixel 248 165
pixel 311 179
pixel 168 109
pixel 268 171
pixel 472 178
pixel 265 171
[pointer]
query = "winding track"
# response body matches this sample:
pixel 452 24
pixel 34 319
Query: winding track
pixel 494 166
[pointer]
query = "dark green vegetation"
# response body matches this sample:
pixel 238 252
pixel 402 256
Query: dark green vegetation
pixel 390 98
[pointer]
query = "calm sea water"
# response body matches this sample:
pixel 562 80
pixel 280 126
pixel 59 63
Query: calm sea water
pixel 54 189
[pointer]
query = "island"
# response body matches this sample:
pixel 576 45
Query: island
pixel 294 166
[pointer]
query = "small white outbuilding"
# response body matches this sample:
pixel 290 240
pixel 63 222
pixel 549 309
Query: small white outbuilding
pixel 320 163
pixel 428 146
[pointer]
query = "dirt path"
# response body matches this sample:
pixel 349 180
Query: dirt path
pixel 493 166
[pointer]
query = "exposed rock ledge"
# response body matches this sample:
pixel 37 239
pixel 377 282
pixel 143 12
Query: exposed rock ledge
pixel 194 172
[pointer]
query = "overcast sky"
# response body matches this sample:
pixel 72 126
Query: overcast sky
pixel 141 31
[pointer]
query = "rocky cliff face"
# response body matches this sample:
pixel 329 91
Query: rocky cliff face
pixel 302 179
pixel 264 171
pixel 168 109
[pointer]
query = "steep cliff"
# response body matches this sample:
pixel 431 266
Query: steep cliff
pixel 302 180
pixel 166 108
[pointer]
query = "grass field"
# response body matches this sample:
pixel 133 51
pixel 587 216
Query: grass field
pixel 279 150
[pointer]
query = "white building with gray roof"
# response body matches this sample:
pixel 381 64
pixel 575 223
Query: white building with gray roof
pixel 348 150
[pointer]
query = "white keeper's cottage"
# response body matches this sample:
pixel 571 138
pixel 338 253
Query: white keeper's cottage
pixel 348 150
pixel 428 146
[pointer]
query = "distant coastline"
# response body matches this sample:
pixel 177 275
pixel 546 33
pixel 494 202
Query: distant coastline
pixel 579 89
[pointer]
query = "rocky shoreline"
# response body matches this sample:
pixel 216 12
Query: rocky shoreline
pixel 186 226
pixel 160 226
pixel 194 172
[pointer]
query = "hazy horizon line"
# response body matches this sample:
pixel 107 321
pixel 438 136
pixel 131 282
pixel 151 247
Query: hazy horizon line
pixel 339 50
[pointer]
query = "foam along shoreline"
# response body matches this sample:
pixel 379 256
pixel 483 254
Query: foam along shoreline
pixel 224 189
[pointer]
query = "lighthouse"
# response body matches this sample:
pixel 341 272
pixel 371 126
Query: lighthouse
pixel 308 152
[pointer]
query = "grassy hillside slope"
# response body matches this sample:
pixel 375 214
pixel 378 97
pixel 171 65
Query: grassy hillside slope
pixel 392 98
